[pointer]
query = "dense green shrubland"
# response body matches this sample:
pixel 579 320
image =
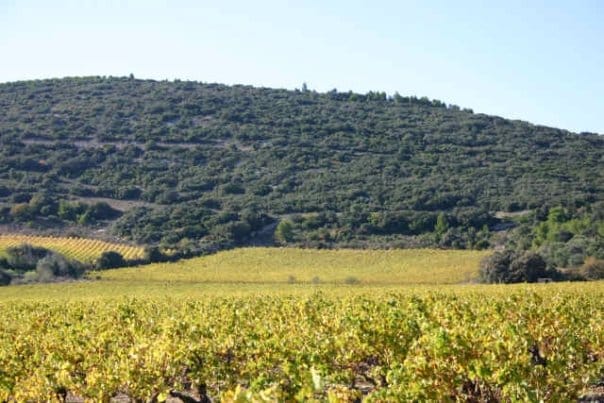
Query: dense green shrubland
pixel 209 166
pixel 548 240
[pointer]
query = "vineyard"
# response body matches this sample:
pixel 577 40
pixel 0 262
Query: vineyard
pixel 291 265
pixel 252 325
pixel 541 342
pixel 82 249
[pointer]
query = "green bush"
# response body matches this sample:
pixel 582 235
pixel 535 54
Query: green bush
pixel 5 278
pixel 31 264
pixel 512 267
pixel 153 254
pixel 110 260
pixel 56 265
pixel 592 269
pixel 25 257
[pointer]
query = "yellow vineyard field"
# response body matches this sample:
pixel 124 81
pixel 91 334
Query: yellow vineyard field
pixel 272 324
pixel 331 343
pixel 290 265
pixel 82 249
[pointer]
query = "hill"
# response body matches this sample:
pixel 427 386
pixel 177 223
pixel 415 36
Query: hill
pixel 202 166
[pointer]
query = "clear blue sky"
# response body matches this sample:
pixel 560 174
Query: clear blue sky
pixel 541 61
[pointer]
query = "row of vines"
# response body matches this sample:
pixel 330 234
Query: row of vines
pixel 541 343
pixel 81 249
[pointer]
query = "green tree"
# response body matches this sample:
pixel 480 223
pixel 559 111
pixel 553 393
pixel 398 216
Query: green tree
pixel 441 226
pixel 284 232
pixel 528 267
pixel 110 260
pixel 153 254
pixel 511 267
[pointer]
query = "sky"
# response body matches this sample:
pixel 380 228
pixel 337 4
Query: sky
pixel 538 61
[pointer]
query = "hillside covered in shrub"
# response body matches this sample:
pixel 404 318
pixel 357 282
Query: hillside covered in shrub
pixel 197 166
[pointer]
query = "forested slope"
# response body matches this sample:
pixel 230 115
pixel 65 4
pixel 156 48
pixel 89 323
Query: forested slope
pixel 199 166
